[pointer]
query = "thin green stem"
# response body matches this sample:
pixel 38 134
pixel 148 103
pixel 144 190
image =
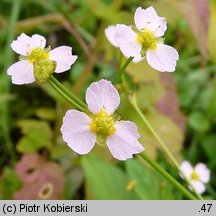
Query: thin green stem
pixel 166 175
pixel 147 123
pixel 68 92
pixel 64 94
pixel 5 80
pixel 120 58
pixel 123 68
pixel 133 102
pixel 180 196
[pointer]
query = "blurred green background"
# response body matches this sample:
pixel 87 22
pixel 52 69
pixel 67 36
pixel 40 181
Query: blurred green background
pixel 35 163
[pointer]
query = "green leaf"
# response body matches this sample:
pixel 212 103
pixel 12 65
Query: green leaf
pixel 107 12
pixel 209 147
pixel 198 121
pixel 37 135
pixel 167 130
pixel 73 182
pixel 46 113
pixel 4 98
pixel 9 184
pixel 148 185
pixel 104 180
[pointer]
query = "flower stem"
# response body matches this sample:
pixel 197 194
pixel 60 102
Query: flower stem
pixel 68 92
pixel 69 96
pixel 165 174
pixel 133 102
pixel 123 68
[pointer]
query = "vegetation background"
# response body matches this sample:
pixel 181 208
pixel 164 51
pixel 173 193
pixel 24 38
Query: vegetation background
pixel 35 163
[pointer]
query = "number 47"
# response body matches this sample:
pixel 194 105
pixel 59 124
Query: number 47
pixel 206 207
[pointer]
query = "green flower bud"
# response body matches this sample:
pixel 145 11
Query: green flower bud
pixel 43 69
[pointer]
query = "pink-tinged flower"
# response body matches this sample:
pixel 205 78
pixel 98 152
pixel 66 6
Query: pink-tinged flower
pixel 110 32
pixel 198 176
pixel 144 40
pixel 81 132
pixel 37 63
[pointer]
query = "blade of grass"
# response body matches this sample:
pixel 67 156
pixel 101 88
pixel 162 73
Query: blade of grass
pixel 5 79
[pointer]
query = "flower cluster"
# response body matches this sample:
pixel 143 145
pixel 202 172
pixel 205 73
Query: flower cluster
pixel 198 176
pixel 81 131
pixel 144 40
pixel 99 122
pixel 37 63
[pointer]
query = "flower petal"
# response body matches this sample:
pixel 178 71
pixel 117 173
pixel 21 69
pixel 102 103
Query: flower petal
pixel 110 32
pixel 138 58
pixel 126 39
pixel 163 58
pixel 37 41
pixel 148 19
pixel 76 132
pixel 199 186
pixel 203 172
pixel 161 27
pixel 123 144
pixel 118 148
pixel 21 72
pixel 127 130
pixel 102 94
pixel 186 168
pixel 22 44
pixel 63 57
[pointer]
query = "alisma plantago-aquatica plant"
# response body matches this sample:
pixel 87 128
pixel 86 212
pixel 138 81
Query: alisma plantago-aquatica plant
pixel 96 121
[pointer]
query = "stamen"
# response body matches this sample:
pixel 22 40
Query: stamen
pixel 38 54
pixel 102 124
pixel 147 39
pixel 194 176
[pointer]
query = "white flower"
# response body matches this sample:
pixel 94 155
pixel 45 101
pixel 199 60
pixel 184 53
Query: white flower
pixel 110 32
pixel 35 58
pixel 82 132
pixel 198 176
pixel 145 40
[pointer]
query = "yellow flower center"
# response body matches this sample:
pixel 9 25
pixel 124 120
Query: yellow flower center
pixel 147 39
pixel 102 124
pixel 38 54
pixel 194 176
